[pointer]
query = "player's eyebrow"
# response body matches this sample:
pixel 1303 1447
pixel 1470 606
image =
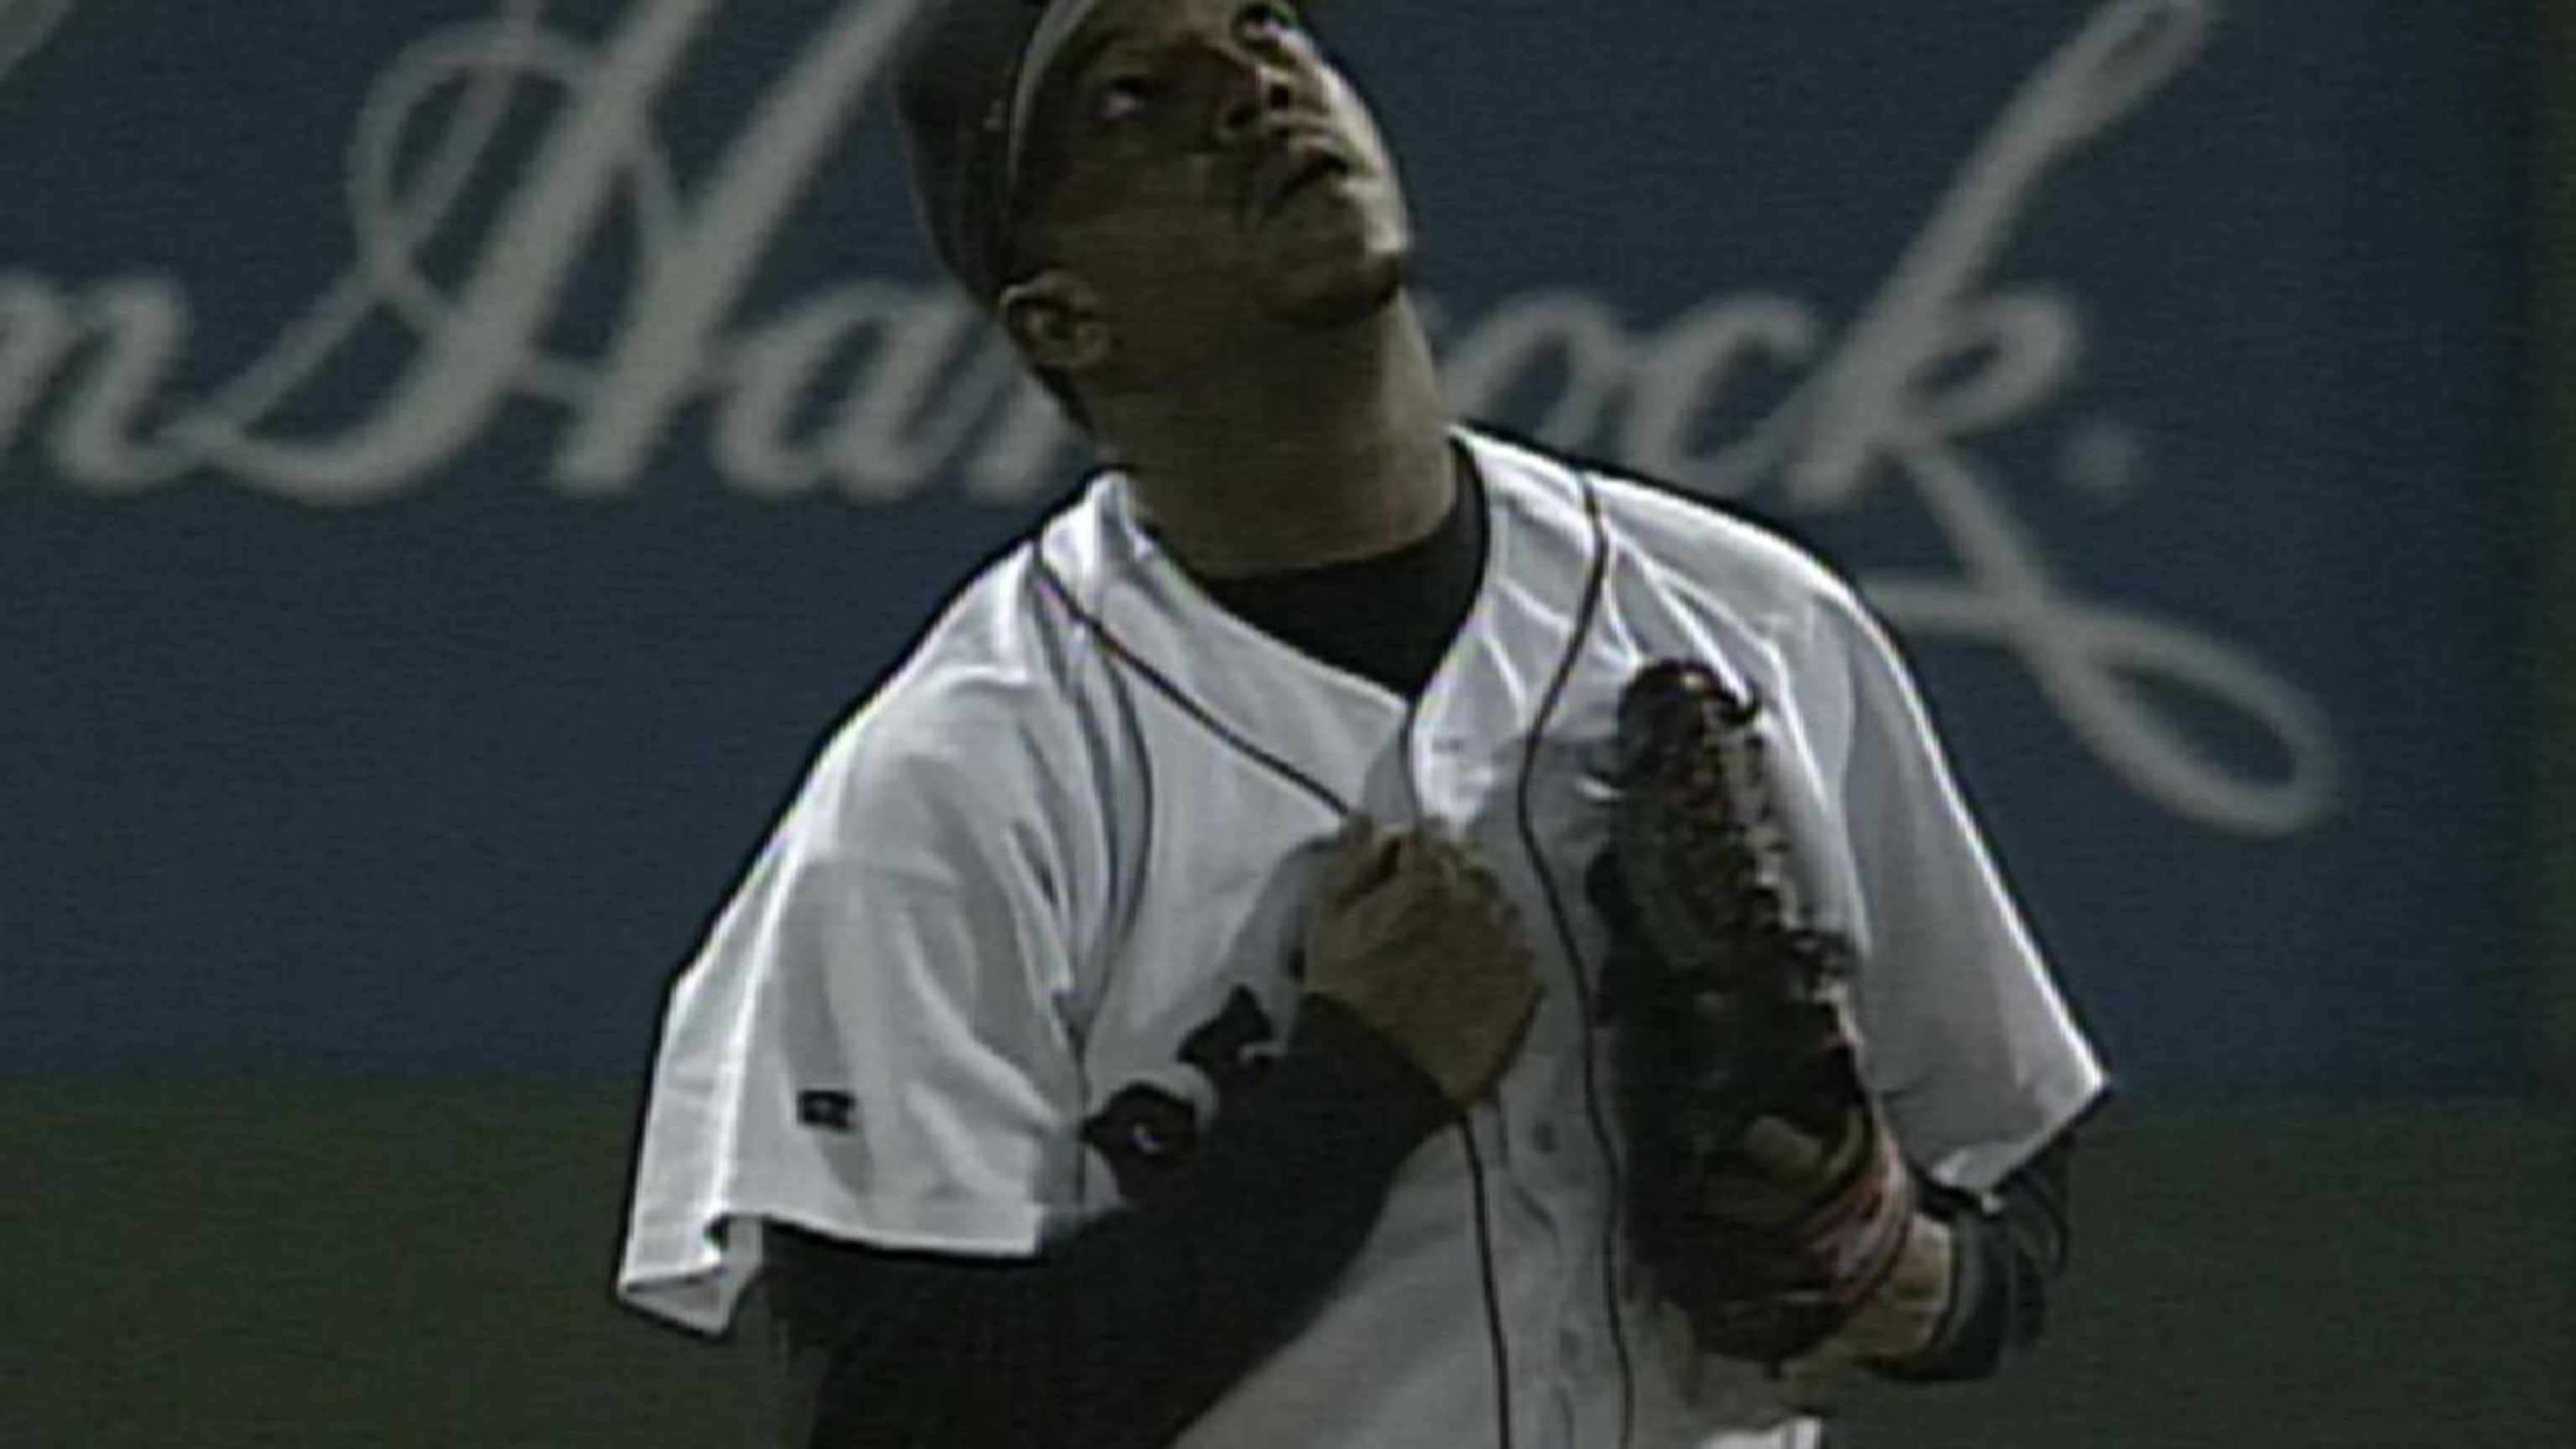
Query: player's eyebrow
pixel 1087 52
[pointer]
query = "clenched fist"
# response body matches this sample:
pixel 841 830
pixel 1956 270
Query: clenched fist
pixel 1414 937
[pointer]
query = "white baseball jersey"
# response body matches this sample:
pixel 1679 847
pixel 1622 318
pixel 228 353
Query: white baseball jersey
pixel 1077 827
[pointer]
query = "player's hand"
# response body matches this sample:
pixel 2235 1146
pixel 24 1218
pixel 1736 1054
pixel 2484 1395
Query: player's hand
pixel 1894 1326
pixel 1900 1321
pixel 1414 937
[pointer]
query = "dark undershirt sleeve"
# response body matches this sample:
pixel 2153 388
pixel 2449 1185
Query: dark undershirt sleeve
pixel 2009 1252
pixel 1122 1334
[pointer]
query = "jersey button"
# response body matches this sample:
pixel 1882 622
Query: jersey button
pixel 1543 1139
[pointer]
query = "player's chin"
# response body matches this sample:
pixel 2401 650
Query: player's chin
pixel 1334 253
pixel 1335 281
pixel 1339 298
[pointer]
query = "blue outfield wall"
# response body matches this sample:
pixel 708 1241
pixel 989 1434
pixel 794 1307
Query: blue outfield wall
pixel 456 460
pixel 2553 388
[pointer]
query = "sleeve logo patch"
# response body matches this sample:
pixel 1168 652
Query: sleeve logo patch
pixel 828 1111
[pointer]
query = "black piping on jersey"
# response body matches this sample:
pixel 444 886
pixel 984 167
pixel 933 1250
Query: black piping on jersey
pixel 1480 1200
pixel 1322 794
pixel 1181 699
pixel 1497 1337
pixel 1595 583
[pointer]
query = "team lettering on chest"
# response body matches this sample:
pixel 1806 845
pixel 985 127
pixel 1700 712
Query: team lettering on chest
pixel 1147 1133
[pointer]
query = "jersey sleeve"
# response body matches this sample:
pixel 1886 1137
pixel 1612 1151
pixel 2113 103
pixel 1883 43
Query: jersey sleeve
pixel 1971 1046
pixel 868 1044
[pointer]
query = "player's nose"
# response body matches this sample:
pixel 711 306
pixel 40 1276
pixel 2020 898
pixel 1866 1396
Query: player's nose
pixel 1251 93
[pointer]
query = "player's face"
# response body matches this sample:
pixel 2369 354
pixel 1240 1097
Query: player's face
pixel 1206 167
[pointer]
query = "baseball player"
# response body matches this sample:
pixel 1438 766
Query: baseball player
pixel 1171 1011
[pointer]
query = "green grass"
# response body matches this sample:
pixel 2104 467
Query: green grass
pixel 217 1266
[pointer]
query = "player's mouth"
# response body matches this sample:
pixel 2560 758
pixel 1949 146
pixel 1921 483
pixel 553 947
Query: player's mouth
pixel 1294 168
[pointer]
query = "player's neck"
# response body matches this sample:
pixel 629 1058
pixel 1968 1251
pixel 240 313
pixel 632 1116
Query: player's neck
pixel 1330 449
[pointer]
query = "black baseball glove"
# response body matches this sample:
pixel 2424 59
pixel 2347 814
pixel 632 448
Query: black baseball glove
pixel 1766 1195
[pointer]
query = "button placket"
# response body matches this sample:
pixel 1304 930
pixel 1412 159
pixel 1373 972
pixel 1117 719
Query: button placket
pixel 1561 1417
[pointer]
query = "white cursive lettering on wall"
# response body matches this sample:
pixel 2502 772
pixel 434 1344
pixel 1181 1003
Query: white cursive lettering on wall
pixel 1887 412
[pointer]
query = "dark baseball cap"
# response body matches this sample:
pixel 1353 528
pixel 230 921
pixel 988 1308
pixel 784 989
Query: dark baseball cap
pixel 968 77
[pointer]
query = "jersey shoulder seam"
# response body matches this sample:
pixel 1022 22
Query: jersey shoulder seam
pixel 1627 494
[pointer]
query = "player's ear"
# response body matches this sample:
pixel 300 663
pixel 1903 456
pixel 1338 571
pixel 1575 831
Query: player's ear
pixel 1056 322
